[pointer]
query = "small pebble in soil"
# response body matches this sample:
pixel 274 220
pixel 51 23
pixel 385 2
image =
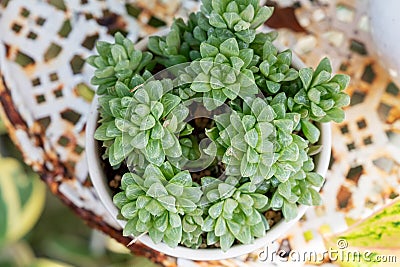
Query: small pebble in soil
pixel 273 217
pixel 115 183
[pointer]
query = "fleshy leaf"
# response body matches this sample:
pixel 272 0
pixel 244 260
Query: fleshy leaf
pixel 157 190
pixel 226 241
pixel 154 152
pixel 315 179
pixel 147 123
pixel 169 102
pixel 230 47
pixel 216 210
pixel 208 50
pixel 182 178
pixel 306 77
pixel 220 227
pixel 225 190
pixel 168 202
pixel 251 138
pixel 289 211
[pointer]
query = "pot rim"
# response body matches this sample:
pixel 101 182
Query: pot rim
pixel 98 179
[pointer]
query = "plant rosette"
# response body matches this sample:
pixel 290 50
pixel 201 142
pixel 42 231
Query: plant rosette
pixel 209 127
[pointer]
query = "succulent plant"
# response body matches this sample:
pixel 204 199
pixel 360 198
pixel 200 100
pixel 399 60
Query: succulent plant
pixel 261 143
pixel 191 154
pixel 261 38
pixel 299 188
pixel 233 212
pixel 321 97
pixel 117 62
pixel 156 202
pixel 119 68
pixel 146 123
pixel 242 17
pixel 248 149
pixel 182 43
pixel 191 226
pixel 275 69
pixel 221 73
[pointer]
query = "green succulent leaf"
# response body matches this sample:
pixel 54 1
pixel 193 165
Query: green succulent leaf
pixel 306 77
pixel 216 210
pixel 226 241
pixel 208 50
pixel 225 190
pixel 230 48
pixel 342 80
pixel 251 138
pixel 289 210
pixel 315 179
pixel 182 178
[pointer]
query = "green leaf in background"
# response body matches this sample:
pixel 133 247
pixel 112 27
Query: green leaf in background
pixel 379 234
pixel 16 255
pixel 3 128
pixel 48 263
pixel 22 197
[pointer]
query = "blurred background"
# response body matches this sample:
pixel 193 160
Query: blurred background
pixel 46 98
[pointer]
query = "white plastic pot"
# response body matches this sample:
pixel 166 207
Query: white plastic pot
pixel 100 184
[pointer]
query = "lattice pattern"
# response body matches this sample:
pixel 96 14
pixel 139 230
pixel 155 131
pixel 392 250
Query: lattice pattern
pixel 42 52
